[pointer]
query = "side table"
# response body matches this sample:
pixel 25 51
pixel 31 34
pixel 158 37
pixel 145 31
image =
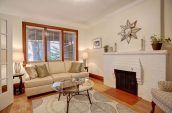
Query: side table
pixel 20 88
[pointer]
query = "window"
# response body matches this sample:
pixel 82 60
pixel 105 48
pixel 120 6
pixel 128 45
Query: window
pixel 35 45
pixel 69 46
pixel 54 45
pixel 48 43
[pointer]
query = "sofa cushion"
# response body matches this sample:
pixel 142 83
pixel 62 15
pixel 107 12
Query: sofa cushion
pixel 56 67
pixel 81 74
pixel 164 97
pixel 60 77
pixel 42 70
pixel 31 71
pixel 38 82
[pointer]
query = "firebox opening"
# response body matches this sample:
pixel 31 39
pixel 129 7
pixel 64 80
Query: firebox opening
pixel 126 81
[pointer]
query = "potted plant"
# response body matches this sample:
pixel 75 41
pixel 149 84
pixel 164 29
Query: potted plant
pixel 106 48
pixel 157 41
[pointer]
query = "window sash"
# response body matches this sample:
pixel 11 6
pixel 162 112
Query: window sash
pixel 54 42
pixel 69 45
pixel 35 43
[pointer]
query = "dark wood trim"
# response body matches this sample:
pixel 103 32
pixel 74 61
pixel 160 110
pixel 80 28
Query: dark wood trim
pixel 98 77
pixel 45 45
pixel 24 24
pixel 62 46
pixel 49 27
pixel 24 43
pixel 77 46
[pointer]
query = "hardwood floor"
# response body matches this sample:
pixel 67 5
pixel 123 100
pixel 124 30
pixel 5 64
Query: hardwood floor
pixel 23 105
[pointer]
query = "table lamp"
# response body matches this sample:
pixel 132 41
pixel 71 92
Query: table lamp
pixel 17 58
pixel 85 57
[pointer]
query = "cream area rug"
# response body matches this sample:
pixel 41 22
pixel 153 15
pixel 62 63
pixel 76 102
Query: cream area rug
pixel 79 104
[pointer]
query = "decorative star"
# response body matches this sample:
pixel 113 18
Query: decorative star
pixel 129 31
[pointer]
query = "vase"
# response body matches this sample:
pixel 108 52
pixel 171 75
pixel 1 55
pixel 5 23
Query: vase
pixel 105 50
pixel 156 46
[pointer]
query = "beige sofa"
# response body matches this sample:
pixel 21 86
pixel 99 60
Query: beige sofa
pixel 58 71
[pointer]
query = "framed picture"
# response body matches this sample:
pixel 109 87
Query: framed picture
pixel 97 43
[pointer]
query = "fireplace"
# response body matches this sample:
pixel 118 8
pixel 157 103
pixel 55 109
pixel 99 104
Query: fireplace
pixel 126 81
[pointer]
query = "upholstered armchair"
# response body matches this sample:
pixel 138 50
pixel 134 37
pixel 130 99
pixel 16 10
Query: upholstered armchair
pixel 162 97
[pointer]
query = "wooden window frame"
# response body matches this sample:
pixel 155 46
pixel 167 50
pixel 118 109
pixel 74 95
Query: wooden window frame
pixel 25 24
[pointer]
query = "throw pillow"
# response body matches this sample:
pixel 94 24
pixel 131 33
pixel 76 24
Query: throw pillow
pixel 42 70
pixel 31 71
pixel 165 86
pixel 75 67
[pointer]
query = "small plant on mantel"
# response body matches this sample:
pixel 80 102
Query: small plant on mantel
pixel 157 41
pixel 106 48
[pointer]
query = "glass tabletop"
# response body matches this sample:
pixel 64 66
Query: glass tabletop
pixel 73 85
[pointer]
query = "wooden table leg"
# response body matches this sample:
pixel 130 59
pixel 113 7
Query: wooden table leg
pixel 68 100
pixel 59 96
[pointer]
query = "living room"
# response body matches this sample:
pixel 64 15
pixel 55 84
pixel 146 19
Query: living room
pixel 118 52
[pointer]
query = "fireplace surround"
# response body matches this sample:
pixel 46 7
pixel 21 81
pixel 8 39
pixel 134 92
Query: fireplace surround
pixel 149 66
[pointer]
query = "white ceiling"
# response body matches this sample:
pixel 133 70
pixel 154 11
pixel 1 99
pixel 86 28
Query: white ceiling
pixel 76 11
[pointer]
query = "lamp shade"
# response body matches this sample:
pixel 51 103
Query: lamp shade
pixel 18 57
pixel 85 55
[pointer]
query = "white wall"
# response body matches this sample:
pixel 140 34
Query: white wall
pixel 147 14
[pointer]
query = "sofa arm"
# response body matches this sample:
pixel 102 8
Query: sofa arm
pixel 165 86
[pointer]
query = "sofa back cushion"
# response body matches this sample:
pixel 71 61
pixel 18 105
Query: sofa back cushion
pixel 67 65
pixel 56 67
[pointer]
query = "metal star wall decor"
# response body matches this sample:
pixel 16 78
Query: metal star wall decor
pixel 129 31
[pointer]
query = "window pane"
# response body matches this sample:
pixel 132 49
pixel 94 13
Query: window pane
pixel 69 46
pixel 3 26
pixel 3 41
pixel 35 49
pixel 54 45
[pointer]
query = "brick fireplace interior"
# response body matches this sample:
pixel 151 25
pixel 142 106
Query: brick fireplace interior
pixel 126 81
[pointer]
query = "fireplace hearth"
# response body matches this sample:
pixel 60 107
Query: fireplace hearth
pixel 126 81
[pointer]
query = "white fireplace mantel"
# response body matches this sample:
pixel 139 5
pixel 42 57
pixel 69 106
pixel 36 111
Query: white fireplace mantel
pixel 152 63
pixel 157 52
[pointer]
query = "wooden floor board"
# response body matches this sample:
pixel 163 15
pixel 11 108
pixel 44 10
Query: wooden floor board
pixel 23 105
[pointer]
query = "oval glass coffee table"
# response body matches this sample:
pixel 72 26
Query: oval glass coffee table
pixel 73 87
